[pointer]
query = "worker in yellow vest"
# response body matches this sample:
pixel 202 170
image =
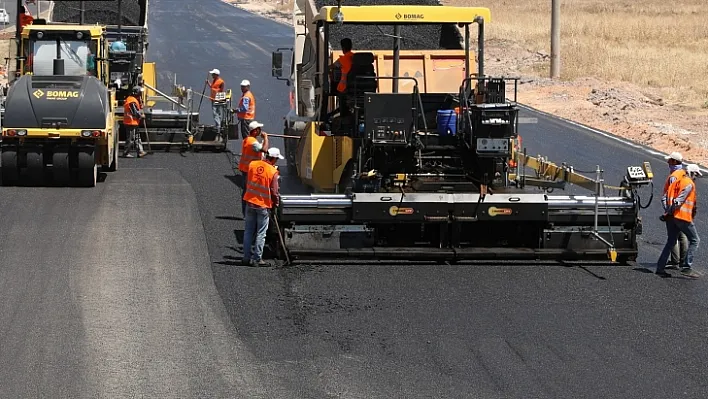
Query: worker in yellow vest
pixel 262 195
pixel 681 200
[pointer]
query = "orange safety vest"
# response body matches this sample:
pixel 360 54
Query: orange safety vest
pixel 685 212
pixel 217 86
pixel 260 176
pixel 251 113
pixel 345 61
pixel 128 118
pixel 678 174
pixel 248 154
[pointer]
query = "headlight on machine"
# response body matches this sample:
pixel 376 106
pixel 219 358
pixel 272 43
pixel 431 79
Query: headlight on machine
pixel 91 133
pixel 21 132
pixel 14 133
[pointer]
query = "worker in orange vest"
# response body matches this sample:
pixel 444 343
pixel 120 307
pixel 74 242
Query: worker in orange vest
pixel 246 111
pixel 344 65
pixel 681 200
pixel 251 150
pixel 26 18
pixel 678 253
pixel 132 114
pixel 218 107
pixel 262 195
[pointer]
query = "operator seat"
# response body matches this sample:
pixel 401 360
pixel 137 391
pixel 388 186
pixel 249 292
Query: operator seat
pixel 362 66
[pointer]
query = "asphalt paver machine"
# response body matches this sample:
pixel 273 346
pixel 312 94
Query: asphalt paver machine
pixel 417 170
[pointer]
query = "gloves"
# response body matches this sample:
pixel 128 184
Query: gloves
pixel 662 218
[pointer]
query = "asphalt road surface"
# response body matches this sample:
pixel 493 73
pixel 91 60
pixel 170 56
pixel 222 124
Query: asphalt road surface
pixel 133 289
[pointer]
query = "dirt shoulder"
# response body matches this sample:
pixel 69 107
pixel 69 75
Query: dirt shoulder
pixel 654 117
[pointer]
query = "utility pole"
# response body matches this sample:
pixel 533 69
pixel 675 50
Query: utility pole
pixel 555 39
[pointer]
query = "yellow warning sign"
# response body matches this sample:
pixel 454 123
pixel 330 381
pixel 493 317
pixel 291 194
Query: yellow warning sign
pixel 56 94
pixel 394 210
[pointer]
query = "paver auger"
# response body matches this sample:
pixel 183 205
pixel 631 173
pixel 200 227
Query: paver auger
pixel 427 174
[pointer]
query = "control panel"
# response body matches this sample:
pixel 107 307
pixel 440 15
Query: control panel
pixel 493 147
pixel 388 117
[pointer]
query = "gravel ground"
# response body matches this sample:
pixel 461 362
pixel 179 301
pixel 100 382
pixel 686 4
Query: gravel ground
pixel 105 12
pixel 421 37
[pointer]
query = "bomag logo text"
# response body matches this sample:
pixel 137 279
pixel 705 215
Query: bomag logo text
pixel 56 94
pixel 410 16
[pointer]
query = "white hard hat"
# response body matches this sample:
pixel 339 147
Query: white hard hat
pixel 254 125
pixel 676 156
pixel 275 153
pixel 216 71
pixel 693 168
pixel 245 82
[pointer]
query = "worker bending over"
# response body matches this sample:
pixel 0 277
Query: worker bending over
pixel 681 208
pixel 262 195
pixel 246 111
pixel 251 150
pixel 218 107
pixel 132 114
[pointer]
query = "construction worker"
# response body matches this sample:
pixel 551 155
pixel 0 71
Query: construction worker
pixel 132 114
pixel 218 108
pixel 251 150
pixel 676 171
pixel 246 111
pixel 681 200
pixel 262 195
pixel 26 17
pixel 344 64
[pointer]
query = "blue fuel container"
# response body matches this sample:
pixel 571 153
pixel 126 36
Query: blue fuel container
pixel 447 122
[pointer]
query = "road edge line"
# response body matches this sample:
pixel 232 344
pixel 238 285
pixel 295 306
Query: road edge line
pixel 603 133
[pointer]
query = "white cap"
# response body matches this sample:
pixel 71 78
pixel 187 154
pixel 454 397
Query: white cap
pixel 254 125
pixel 245 82
pixel 693 168
pixel 275 153
pixel 676 156
pixel 216 71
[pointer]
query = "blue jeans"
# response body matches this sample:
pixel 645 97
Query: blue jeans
pixel 256 225
pixel 218 110
pixel 673 228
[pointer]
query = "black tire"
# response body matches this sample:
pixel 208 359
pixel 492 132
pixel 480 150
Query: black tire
pixel 10 172
pixel 61 169
pixel 35 166
pixel 88 170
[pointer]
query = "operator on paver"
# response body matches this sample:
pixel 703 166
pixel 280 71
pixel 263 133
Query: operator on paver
pixel 678 253
pixel 218 108
pixel 262 195
pixel 131 120
pixel 344 64
pixel 246 111
pixel 679 212
pixel 251 150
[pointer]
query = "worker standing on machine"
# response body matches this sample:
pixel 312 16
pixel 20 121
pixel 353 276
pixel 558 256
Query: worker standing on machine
pixel 132 115
pixel 251 150
pixel 344 65
pixel 246 111
pixel 262 195
pixel 217 85
pixel 681 197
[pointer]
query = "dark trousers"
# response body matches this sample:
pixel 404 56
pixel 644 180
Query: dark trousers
pixel 243 127
pixel 244 177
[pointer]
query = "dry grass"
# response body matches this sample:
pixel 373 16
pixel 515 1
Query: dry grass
pixel 650 42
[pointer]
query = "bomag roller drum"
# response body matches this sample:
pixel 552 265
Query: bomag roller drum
pixel 59 129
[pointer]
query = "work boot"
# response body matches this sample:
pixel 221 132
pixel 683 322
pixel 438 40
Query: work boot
pixel 246 262
pixel 688 272
pixel 672 266
pixel 142 154
pixel 663 274
pixel 260 263
pixel 128 156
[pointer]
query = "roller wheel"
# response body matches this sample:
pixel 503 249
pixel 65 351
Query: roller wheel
pixel 10 172
pixel 61 169
pixel 88 170
pixel 35 166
